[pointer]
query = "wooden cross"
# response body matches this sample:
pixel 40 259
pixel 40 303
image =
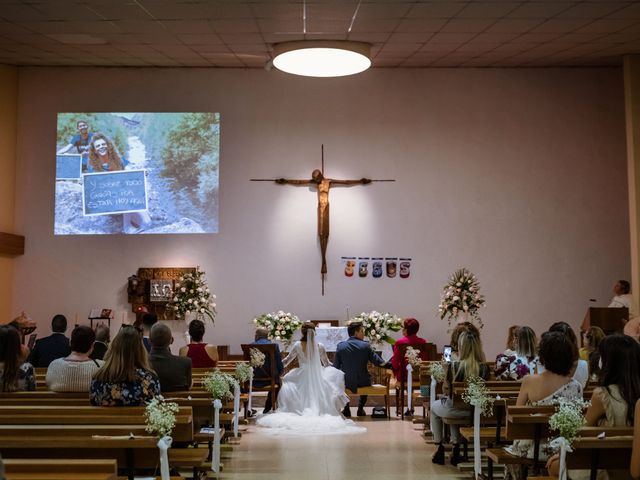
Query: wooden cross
pixel 11 245
pixel 323 185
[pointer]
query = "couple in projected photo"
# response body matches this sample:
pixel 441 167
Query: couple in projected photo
pixel 104 157
pixel 100 154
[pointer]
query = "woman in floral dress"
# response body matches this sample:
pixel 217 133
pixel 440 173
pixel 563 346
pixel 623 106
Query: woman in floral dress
pixel 125 379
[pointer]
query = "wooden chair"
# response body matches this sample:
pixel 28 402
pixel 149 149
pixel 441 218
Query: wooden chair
pixel 261 374
pixel 425 350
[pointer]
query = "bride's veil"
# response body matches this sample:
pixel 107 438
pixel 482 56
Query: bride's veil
pixel 315 393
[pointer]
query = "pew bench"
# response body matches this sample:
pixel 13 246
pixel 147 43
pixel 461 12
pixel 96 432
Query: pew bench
pixel 55 469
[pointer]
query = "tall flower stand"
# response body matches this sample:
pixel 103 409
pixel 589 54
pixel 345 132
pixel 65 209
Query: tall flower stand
pixel 164 444
pixel 215 458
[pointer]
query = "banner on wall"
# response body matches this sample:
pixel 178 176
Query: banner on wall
pixel 376 267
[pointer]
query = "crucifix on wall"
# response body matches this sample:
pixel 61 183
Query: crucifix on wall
pixel 323 185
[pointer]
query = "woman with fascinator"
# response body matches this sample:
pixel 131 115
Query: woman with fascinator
pixel 312 395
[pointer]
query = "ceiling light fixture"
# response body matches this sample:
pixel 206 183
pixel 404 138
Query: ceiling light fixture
pixel 322 58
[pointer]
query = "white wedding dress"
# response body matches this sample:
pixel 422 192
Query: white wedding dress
pixel 311 397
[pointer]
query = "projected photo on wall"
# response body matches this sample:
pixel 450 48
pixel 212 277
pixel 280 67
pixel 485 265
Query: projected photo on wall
pixel 137 173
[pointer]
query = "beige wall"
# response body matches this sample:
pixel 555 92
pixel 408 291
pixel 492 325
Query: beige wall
pixel 8 120
pixel 518 174
pixel 632 110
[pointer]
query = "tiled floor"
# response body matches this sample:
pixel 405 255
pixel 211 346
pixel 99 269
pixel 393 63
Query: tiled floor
pixel 390 449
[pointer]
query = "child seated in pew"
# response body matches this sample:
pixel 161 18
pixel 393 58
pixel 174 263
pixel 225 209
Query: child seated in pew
pixel 15 373
pixel 557 354
pixel 74 373
pixel 520 362
pixel 125 379
pixel 470 365
pixel 613 401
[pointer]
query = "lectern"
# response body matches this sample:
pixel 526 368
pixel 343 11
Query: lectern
pixel 610 320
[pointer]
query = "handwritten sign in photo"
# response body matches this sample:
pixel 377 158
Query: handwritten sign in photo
pixel 114 192
pixel 68 166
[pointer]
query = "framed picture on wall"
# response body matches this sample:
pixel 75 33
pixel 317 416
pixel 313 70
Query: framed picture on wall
pixel 160 291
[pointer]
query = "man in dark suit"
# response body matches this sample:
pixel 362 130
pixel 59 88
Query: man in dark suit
pixel 261 338
pixel 148 321
pixel 352 357
pixel 174 372
pixel 50 348
pixel 101 344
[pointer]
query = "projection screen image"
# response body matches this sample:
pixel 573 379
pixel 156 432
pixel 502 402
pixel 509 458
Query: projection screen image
pixel 137 173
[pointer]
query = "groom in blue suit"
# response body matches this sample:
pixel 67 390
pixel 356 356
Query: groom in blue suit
pixel 352 357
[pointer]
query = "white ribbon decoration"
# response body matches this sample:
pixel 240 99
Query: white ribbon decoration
pixel 432 393
pixel 215 460
pixel 236 408
pixel 250 393
pixel 477 460
pixel 564 446
pixel 163 445
pixel 409 385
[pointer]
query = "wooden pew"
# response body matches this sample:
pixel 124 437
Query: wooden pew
pixel 55 469
pixel 82 419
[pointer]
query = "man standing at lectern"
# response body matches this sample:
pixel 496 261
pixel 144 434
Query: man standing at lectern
pixel 623 298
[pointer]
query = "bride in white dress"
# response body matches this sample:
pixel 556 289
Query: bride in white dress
pixel 312 396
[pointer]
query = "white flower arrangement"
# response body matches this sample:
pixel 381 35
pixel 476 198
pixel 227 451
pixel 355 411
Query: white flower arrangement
pixel 244 372
pixel 477 394
pixel 378 326
pixel 461 296
pixel 281 325
pixel 193 296
pixel 220 385
pixel 257 358
pixel 436 370
pixel 413 357
pixel 568 419
pixel 160 416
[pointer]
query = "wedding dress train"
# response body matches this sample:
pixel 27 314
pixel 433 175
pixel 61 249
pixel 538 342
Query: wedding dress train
pixel 311 397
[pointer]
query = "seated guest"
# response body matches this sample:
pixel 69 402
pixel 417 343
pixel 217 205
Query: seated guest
pixel 470 365
pixel 612 403
pixel 125 379
pixel 74 373
pixel 202 354
pixel 512 340
pixel 148 321
pixel 590 351
pixel 580 367
pixel 56 345
pixel 100 346
pixel 173 371
pixel 15 374
pixel 455 334
pixel 522 361
pixel 261 338
pixel 410 328
pixel 557 354
pixel 353 357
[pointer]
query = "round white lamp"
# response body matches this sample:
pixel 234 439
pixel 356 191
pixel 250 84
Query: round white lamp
pixel 322 58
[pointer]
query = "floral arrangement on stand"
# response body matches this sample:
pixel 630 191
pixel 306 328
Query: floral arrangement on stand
pixel 436 370
pixel 567 421
pixel 243 372
pixel 160 416
pixel 220 385
pixel 378 326
pixel 461 297
pixel 478 395
pixel 281 325
pixel 256 358
pixel 191 295
pixel 413 357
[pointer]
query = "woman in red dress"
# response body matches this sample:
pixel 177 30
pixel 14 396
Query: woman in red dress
pixel 202 354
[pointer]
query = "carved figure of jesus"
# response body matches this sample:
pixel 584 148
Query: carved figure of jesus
pixel 323 185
